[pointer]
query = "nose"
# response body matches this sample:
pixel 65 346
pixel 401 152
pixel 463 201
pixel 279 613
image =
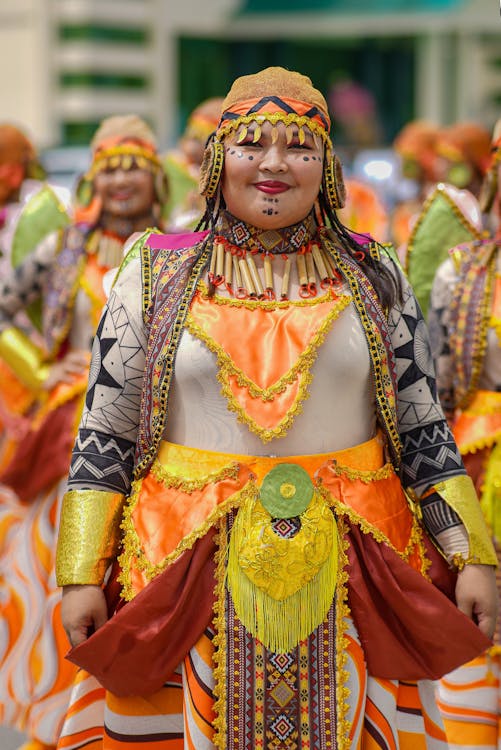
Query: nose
pixel 120 176
pixel 273 159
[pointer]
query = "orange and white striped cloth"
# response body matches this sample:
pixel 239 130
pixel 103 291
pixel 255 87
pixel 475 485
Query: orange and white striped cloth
pixel 384 714
pixel 470 702
pixel 35 678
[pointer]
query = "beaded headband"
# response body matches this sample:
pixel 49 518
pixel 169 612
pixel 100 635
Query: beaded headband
pixel 275 109
pixel 125 154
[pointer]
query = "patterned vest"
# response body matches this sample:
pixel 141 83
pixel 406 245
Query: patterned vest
pixel 171 266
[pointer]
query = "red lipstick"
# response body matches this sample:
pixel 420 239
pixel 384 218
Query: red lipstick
pixel 272 187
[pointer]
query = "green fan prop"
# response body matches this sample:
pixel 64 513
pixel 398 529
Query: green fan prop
pixel 440 226
pixel 43 214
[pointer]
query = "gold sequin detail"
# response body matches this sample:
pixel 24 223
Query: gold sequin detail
pixel 89 536
pixel 459 493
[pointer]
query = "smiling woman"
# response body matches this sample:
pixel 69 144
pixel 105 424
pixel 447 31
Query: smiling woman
pixel 271 375
pixel 121 193
pixel 271 173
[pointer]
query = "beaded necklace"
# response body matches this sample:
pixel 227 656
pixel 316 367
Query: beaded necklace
pixel 236 244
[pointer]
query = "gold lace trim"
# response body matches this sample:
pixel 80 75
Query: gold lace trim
pixel 305 359
pixel 496 324
pixel 366 476
pixel 343 724
pixel 132 547
pixel 252 304
pixel 415 538
pixel 219 640
pixel 191 485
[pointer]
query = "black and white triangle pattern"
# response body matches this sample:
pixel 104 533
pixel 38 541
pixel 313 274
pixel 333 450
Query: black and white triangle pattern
pixel 116 375
pixel 101 462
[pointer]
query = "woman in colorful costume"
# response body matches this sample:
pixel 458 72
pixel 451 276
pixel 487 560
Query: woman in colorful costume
pixel 21 175
pixel 416 146
pixel 182 166
pixel 465 325
pixel 122 192
pixel 273 583
pixel 18 163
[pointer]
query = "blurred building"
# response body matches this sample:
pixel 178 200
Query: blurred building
pixel 65 64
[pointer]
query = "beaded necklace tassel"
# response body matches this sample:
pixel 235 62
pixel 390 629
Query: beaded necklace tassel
pixel 268 277
pixel 251 264
pixel 236 269
pixel 302 274
pixel 219 264
pixel 247 282
pixel 310 270
pixel 284 292
pixel 240 292
pixel 228 270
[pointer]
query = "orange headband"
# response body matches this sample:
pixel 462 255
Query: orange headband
pixel 119 151
pixel 275 109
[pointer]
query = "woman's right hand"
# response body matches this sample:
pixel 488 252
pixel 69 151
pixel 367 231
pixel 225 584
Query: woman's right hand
pixel 64 371
pixel 83 611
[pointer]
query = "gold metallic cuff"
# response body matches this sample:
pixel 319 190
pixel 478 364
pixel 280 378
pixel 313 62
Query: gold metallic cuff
pixel 24 358
pixel 89 536
pixel 459 493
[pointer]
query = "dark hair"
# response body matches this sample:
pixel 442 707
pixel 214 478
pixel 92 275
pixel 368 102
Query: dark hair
pixel 387 285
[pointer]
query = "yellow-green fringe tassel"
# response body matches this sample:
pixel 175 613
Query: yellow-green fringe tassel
pixel 281 624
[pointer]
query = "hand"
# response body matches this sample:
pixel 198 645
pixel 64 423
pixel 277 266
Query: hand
pixel 477 596
pixel 83 611
pixel 64 371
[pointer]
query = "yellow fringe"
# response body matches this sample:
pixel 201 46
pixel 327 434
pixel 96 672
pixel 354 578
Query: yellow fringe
pixel 280 624
pixel 275 117
pixel 490 500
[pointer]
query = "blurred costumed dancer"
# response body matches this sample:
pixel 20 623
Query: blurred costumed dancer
pixel 463 155
pixel 270 564
pixel 185 206
pixel 415 144
pixel 465 325
pixel 21 175
pixel 364 212
pixel 122 193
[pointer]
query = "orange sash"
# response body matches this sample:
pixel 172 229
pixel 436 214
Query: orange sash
pixel 188 490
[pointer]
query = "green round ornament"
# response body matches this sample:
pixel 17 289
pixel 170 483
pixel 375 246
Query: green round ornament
pixel 286 491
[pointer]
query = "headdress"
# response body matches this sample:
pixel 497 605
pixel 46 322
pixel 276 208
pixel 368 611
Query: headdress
pixel 466 146
pixel 204 119
pixel 416 143
pixel 16 148
pixel 465 142
pixel 121 141
pixel 274 95
pixel 490 184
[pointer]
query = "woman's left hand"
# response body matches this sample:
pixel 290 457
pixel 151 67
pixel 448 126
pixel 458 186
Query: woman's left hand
pixel 477 596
